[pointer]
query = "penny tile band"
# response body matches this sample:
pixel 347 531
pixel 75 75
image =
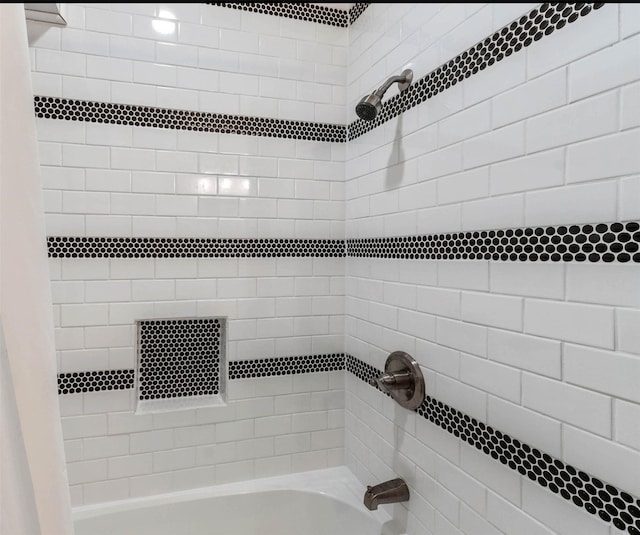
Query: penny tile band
pixel 606 242
pixel 268 367
pixel 601 242
pixel 149 116
pixel 519 34
pixel 96 381
pixel 583 490
pixel 308 12
pixel 88 247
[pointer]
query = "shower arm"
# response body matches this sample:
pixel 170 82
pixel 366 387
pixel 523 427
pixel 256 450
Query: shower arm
pixel 403 80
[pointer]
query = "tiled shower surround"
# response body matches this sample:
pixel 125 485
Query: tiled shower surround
pixel 486 223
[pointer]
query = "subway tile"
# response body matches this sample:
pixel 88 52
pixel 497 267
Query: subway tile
pixel 464 186
pixel 512 519
pixel 492 310
pixel 603 371
pixel 132 465
pixel 176 459
pixel 629 199
pixel 572 205
pixel 135 94
pixel 85 156
pixel 107 180
pixel 609 68
pixel 530 99
pixel 107 446
pixel 538 171
pixel 500 212
pixel 439 219
pixel 596 116
pixel 115 69
pixel 85 203
pixel 472 522
pixel 583 324
pixel 106 491
pixel 464 275
pixel 527 279
pixel 627 332
pixel 490 377
pixel 87 471
pixel 630 115
pixel 60 62
pixel 495 146
pixel 466 124
pixel 131 48
pixel 618 285
pixel 94 425
pixel 576 406
pixel 150 441
pixel 626 429
pixel 133 159
pixel 539 355
pixel 605 157
pixel 174 54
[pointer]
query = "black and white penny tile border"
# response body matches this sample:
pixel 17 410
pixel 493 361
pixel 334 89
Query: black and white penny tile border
pixel 162 340
pixel 89 247
pixel 601 242
pixel 609 503
pixel 599 498
pixel 195 121
pixel 519 34
pixel 270 367
pixel 309 12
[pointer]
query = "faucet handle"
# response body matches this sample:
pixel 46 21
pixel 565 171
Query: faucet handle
pixel 402 380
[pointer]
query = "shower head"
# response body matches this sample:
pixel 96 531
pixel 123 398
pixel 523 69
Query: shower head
pixel 370 105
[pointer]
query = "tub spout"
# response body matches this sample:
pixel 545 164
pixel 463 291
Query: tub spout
pixel 392 491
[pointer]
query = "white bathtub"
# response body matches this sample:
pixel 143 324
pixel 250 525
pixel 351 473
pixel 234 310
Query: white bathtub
pixel 322 502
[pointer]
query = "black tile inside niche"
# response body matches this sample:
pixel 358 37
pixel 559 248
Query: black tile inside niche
pixel 180 357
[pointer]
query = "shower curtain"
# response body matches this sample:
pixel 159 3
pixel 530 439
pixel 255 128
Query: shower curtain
pixel 34 493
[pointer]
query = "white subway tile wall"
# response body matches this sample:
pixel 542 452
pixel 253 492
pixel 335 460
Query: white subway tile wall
pixel 542 351
pixel 109 180
pixel 546 352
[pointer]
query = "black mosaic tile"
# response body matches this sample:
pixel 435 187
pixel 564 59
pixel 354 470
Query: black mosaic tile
pixel 89 247
pixel 179 357
pixel 512 38
pixel 604 242
pixel 576 486
pixel 308 12
pixel 96 381
pixel 357 10
pixel 268 367
pixel 130 115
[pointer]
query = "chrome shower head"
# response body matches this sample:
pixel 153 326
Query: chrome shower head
pixel 370 105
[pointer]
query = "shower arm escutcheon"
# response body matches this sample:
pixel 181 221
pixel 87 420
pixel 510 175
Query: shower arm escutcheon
pixel 402 380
